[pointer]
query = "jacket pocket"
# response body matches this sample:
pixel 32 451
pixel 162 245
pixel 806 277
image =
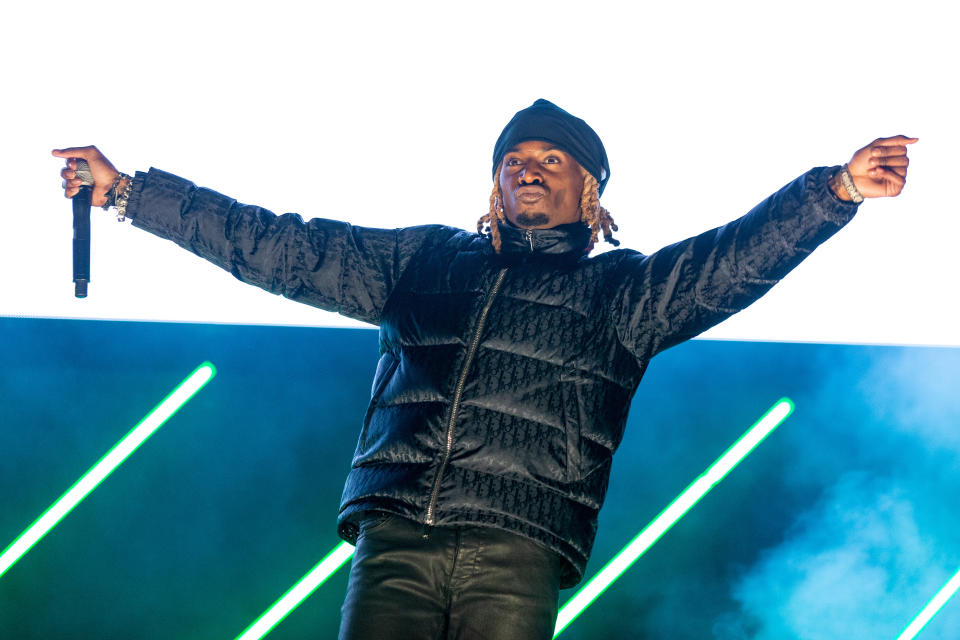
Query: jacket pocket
pixel 374 521
pixel 385 369
pixel 570 418
pixel 593 426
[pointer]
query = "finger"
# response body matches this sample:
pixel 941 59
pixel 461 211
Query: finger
pixel 885 151
pixel 68 173
pixel 895 140
pixel 86 153
pixel 900 171
pixel 880 173
pixel 890 161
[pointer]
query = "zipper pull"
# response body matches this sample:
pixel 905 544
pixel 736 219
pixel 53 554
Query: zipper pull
pixel 529 233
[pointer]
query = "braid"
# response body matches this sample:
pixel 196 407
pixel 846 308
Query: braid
pixel 492 218
pixel 593 215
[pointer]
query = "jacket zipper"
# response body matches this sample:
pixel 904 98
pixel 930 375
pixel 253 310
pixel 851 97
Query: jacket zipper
pixel 529 235
pixel 431 507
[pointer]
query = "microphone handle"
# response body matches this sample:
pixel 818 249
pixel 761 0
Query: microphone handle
pixel 81 240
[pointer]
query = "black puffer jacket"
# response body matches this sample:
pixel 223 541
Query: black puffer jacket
pixel 505 380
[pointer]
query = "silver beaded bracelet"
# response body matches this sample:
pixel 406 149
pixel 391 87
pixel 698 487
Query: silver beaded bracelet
pixel 849 186
pixel 118 199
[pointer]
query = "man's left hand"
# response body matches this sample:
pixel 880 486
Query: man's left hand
pixel 879 169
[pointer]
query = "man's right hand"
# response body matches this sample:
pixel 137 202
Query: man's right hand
pixel 104 173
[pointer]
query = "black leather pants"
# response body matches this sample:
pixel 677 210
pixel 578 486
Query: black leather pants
pixel 460 582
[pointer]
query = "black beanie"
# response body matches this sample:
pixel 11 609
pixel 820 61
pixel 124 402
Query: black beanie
pixel 545 121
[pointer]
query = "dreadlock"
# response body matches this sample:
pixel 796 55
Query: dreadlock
pixel 594 216
pixel 591 214
pixel 494 216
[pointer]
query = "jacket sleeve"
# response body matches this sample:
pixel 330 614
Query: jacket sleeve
pixel 324 263
pixel 682 290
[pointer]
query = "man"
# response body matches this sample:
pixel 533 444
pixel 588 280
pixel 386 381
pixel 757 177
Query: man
pixel 509 357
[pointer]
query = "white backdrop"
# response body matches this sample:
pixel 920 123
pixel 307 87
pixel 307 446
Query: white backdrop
pixel 385 114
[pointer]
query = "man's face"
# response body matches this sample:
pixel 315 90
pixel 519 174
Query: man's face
pixel 541 185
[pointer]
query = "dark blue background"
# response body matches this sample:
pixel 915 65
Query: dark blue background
pixel 842 524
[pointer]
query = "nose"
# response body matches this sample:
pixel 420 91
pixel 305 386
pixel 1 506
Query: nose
pixel 530 173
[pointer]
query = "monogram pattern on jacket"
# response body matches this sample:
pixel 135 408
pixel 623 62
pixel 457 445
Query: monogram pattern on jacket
pixel 511 424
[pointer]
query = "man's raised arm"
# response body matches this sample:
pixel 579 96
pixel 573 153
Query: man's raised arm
pixel 684 289
pixel 325 263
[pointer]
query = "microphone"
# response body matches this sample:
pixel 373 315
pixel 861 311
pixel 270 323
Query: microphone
pixel 81 230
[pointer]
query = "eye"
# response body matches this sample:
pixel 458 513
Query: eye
pixel 512 162
pixel 551 160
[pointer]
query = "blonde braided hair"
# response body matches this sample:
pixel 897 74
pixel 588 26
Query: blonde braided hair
pixel 494 215
pixel 595 216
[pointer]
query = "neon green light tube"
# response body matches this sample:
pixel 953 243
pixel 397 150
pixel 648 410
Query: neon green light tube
pixel 298 593
pixel 932 608
pixel 674 511
pixel 120 452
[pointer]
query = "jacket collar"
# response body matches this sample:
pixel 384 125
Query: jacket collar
pixel 565 239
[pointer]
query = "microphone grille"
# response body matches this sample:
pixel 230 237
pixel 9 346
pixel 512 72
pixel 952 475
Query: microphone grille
pixel 83 172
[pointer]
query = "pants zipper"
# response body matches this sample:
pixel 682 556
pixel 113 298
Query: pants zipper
pixel 431 507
